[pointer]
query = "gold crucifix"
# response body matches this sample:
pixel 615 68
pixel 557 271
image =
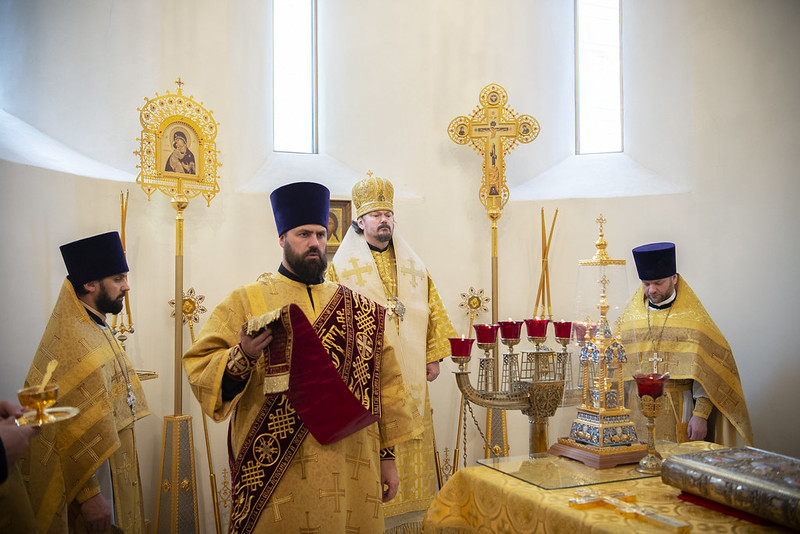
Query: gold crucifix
pixel 494 130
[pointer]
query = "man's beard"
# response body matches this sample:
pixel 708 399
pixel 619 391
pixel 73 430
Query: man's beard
pixel 306 269
pixel 384 237
pixel 105 304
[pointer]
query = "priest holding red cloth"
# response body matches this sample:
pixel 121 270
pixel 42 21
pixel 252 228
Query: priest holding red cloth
pixel 315 394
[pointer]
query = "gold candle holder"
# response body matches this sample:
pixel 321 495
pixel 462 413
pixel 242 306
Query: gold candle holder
pixel 651 392
pixel 460 349
pixel 486 335
pixel 510 336
pixel 39 399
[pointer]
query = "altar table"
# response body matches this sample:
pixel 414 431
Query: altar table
pixel 483 499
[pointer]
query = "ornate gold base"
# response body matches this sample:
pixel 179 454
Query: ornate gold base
pixel 650 464
pixel 599 457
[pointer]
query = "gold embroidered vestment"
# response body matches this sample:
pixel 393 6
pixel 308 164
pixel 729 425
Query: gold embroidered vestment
pixel 693 348
pixel 62 460
pixel 332 487
pixel 421 337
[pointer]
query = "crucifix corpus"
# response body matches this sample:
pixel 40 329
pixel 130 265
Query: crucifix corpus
pixel 494 130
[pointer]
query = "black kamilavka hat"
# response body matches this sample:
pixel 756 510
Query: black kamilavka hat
pixel 94 258
pixel 655 261
pixel 300 203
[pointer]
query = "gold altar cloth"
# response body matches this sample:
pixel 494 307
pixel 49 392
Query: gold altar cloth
pixel 484 500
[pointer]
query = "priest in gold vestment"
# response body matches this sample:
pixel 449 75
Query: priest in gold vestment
pixel 375 261
pixel 83 473
pixel 665 323
pixel 315 395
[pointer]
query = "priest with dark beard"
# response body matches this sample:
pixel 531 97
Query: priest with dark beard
pixel 83 473
pixel 315 395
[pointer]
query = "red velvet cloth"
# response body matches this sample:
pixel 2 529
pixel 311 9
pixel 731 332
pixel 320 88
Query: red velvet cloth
pixel 725 509
pixel 317 391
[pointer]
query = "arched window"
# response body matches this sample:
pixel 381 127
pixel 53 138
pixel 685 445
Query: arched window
pixel 294 76
pixel 598 79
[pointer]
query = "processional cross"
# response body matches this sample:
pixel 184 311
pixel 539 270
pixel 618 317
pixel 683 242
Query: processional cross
pixel 494 130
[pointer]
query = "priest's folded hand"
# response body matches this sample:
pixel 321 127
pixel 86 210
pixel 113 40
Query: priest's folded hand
pixel 254 345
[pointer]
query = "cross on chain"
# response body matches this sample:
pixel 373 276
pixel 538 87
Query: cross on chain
pixel 656 360
pixel 131 400
pixel 411 271
pixel 493 130
pixel 356 271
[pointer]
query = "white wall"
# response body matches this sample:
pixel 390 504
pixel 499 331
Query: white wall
pixel 710 103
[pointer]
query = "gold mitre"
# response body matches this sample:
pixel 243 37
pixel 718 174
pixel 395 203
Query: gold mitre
pixel 371 194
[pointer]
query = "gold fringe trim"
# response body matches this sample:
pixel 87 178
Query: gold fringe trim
pixel 276 383
pixel 406 528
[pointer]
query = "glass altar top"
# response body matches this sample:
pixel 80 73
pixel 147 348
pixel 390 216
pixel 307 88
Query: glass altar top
pixel 551 472
pixel 556 472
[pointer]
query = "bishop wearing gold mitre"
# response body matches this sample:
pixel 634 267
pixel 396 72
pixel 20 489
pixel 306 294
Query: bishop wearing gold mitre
pixel 313 389
pixel 665 323
pixel 376 261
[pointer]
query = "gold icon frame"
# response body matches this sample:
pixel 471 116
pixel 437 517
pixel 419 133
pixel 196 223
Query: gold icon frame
pixel 163 119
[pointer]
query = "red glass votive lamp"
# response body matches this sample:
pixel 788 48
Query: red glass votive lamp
pixel 486 333
pixel 510 329
pixel 580 332
pixel 537 328
pixel 651 384
pixel 563 329
pixel 461 347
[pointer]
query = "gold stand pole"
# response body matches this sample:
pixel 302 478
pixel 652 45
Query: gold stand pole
pixel 495 418
pixel 179 203
pixel 213 479
pixel 190 307
pixel 176 509
pixel 436 454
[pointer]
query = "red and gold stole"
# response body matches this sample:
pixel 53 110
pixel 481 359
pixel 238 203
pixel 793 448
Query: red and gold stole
pixel 335 362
